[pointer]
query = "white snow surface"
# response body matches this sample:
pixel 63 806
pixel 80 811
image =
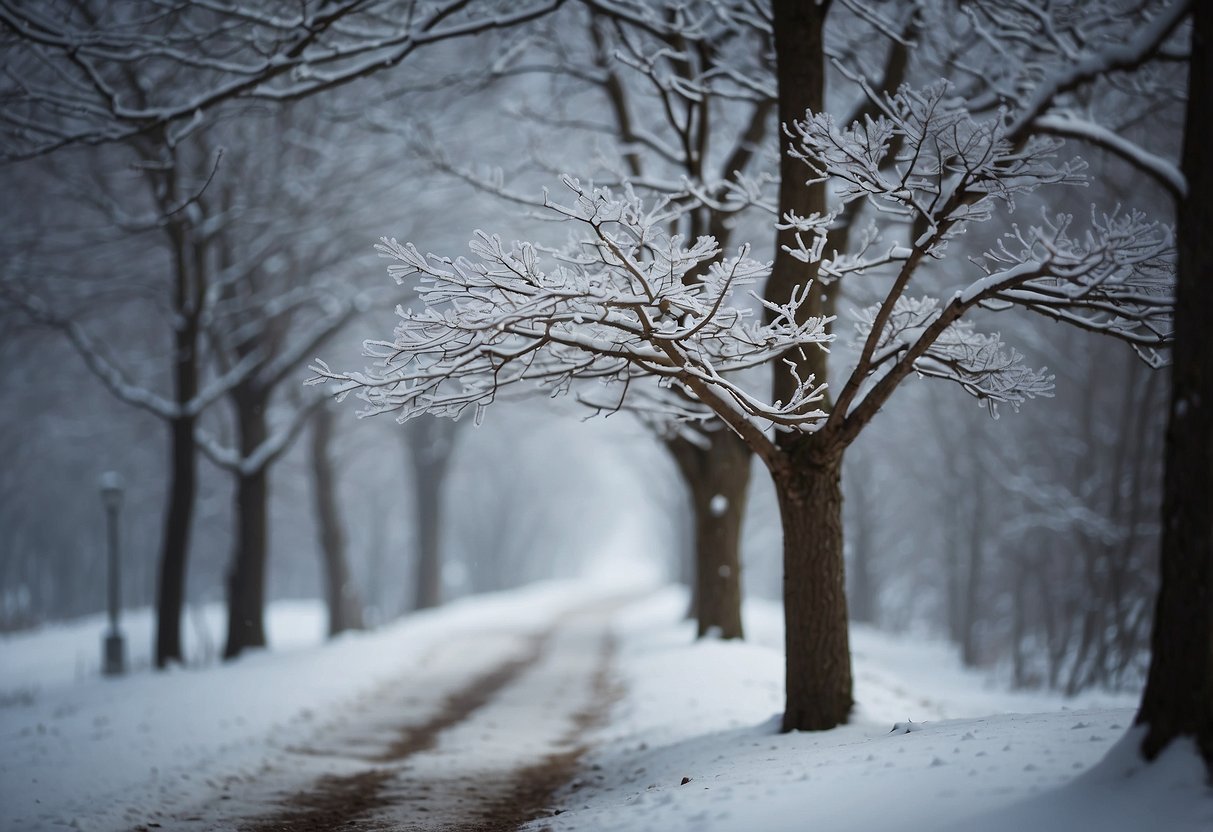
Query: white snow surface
pixel 966 756
pixel 83 752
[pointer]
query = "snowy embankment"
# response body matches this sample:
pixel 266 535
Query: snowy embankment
pixel 81 751
pixel 963 755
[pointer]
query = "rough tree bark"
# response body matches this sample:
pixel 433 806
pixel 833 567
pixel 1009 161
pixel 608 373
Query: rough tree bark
pixel 1178 700
pixel 808 481
pixel 718 478
pixel 344 607
pixel 246 581
pixel 817 652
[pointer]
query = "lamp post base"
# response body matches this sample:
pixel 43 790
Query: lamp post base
pixel 115 655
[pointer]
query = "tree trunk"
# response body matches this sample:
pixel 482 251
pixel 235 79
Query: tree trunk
pixel 1019 619
pixel 718 478
pixel 686 567
pixel 817 648
pixel 955 597
pixel 1178 700
pixel 430 448
pixel 427 591
pixel 183 468
pixel 969 652
pixel 174 549
pixel 808 481
pixel 863 591
pixel 246 581
pixel 344 607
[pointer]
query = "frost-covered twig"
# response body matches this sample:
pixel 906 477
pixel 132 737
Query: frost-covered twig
pixel 926 159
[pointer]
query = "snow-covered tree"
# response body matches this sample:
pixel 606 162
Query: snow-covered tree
pixel 76 70
pixel 689 95
pixel 613 306
pixel 275 297
pixel 151 80
pixel 989 154
pixel 154 226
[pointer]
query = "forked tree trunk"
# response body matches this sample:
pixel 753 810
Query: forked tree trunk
pixel 1178 699
pixel 246 581
pixel 344 606
pixel 817 647
pixel 718 478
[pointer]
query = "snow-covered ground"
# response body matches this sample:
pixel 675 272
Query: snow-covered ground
pixel 200 748
pixel 84 752
pixel 963 756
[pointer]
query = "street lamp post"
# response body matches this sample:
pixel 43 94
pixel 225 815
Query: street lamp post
pixel 115 649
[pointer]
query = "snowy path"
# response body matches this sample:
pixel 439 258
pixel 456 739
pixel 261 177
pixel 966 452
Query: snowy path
pixel 494 711
pixel 484 750
pixel 506 681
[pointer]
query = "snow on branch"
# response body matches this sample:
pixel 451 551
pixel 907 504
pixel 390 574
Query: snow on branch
pixel 934 166
pixel 623 300
pixel 1116 278
pixel 1075 67
pixel 982 364
pixel 78 76
pixel 947 167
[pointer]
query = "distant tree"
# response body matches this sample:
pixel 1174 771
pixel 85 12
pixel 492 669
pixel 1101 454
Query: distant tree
pixel 1178 699
pixel 159 222
pixel 151 78
pixel 340 593
pixel 430 447
pixel 276 296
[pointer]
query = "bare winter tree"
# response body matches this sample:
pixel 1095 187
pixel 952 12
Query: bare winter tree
pixel 276 296
pixel 150 78
pixel 879 160
pixel 75 69
pixel 164 215
pixel 615 308
pixel 690 92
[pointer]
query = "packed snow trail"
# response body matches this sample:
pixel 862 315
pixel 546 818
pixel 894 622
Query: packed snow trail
pixel 487 756
pixel 229 746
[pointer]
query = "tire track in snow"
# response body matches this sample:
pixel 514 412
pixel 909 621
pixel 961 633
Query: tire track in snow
pixel 397 794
